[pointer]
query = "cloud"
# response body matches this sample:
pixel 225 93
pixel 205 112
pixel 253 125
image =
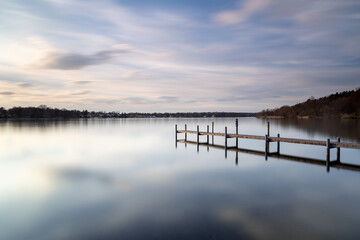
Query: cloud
pixel 80 82
pixel 169 99
pixel 249 8
pixel 130 74
pixel 74 61
pixel 25 85
pixel 80 93
pixel 7 93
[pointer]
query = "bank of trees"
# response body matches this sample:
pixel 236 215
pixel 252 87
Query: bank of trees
pixel 339 105
pixel 47 112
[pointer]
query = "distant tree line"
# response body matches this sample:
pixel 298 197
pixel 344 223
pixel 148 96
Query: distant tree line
pixel 339 105
pixel 46 112
pixel 190 114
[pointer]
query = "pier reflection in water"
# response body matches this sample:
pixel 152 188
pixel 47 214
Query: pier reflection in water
pixel 332 164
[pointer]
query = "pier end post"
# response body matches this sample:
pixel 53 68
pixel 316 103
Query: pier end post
pixel 278 144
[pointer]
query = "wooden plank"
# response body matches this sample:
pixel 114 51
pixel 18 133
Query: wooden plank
pixel 346 145
pixel 246 136
pixel 299 141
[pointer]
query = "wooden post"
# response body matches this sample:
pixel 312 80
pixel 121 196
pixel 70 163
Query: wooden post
pixel 268 128
pixel 338 151
pixel 237 132
pixel 175 135
pixel 266 146
pixel 185 133
pixel 212 130
pixel 328 155
pixel 278 144
pixel 225 137
pixel 176 132
pixel 207 137
pixel 197 134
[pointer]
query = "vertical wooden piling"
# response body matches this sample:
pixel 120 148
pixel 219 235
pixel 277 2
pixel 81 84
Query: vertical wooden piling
pixel 185 133
pixel 237 132
pixel 268 128
pixel 176 132
pixel 338 151
pixel 212 130
pixel 225 137
pixel 197 134
pixel 278 144
pixel 176 135
pixel 207 137
pixel 328 155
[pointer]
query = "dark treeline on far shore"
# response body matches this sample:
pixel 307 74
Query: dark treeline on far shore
pixel 55 113
pixel 339 105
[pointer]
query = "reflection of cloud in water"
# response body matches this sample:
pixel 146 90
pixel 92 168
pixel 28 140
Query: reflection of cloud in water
pixel 79 175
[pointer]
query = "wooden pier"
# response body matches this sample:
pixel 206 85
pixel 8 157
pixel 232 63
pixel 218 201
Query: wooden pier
pixel 267 140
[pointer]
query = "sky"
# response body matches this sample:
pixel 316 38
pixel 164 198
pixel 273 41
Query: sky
pixel 176 56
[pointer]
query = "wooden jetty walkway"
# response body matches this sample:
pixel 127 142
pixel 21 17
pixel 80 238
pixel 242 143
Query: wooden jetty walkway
pixel 268 139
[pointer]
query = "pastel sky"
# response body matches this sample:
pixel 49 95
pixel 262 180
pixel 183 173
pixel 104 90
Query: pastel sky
pixel 176 55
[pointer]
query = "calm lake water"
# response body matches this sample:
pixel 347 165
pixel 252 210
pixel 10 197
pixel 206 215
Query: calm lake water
pixel 125 179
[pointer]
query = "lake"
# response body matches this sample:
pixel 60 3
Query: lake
pixel 127 179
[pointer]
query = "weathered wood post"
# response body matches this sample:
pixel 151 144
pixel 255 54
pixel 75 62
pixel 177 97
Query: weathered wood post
pixel 197 134
pixel 176 135
pixel 328 155
pixel 176 132
pixel 212 130
pixel 185 133
pixel 207 137
pixel 268 128
pixel 225 137
pixel 237 132
pixel 266 146
pixel 278 144
pixel 338 150
pixel 226 142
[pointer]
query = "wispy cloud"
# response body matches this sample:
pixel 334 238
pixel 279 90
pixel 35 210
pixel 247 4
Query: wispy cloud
pixel 74 61
pixel 25 85
pixel 7 93
pixel 243 12
pixel 80 82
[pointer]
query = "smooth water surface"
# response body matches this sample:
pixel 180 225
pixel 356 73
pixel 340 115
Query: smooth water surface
pixel 125 179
